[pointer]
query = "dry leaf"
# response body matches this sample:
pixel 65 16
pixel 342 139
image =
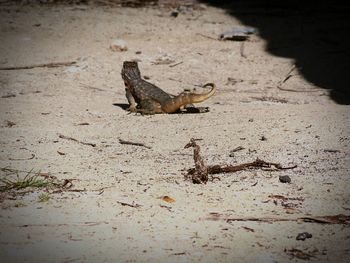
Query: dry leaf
pixel 168 199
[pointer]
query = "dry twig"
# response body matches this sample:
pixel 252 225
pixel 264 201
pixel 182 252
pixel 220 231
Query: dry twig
pixel 217 169
pixel 63 224
pixel 241 49
pixel 174 65
pixel 200 172
pixel 133 204
pixel 202 35
pixel 333 219
pixel 133 143
pixel 75 140
pixel 288 76
pixel 43 65
pixel 23 159
pixel 91 87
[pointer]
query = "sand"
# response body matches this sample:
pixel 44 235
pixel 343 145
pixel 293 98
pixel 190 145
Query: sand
pixel 121 215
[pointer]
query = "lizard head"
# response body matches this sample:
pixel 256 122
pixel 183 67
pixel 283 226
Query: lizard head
pixel 130 71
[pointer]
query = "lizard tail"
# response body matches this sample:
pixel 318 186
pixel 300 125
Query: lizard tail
pixel 131 70
pixel 185 98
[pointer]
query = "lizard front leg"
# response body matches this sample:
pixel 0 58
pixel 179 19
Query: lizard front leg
pixel 131 100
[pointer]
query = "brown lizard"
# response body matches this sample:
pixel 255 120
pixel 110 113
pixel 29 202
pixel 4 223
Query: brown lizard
pixel 146 98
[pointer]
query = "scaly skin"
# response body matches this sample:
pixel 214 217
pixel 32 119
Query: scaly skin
pixel 146 98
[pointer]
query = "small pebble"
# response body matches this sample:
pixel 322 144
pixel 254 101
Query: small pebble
pixel 174 13
pixel 118 45
pixel 263 138
pixel 284 179
pixel 303 236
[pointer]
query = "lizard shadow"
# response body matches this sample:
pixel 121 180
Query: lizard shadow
pixel 123 106
pixel 187 110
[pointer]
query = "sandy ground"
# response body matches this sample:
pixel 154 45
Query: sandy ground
pixel 306 129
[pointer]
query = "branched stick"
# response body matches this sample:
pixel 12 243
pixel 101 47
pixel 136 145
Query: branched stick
pixel 43 65
pixel 75 140
pixel 217 169
pixel 200 172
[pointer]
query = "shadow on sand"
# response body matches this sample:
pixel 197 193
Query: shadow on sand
pixel 313 33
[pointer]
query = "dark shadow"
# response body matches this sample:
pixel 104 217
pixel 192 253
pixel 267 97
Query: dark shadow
pixel 314 33
pixel 186 110
pixel 123 106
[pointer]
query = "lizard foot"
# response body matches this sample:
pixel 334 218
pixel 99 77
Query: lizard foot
pixel 192 109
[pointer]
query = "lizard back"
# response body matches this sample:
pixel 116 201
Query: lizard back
pixel 142 89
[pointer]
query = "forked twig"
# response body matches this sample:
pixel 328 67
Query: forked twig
pixel 199 174
pixel 217 169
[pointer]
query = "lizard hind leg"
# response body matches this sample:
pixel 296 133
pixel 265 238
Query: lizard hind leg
pixel 148 107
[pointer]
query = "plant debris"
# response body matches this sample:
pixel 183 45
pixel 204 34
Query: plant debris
pixel 333 219
pixel 133 143
pixel 288 76
pixel 43 65
pixel 10 123
pixel 44 198
pixel 23 159
pixel 237 34
pixel 331 151
pixel 75 140
pixel 9 95
pixel 241 51
pixel 303 236
pixel 297 253
pixel 200 173
pixel 30 180
pixel 283 198
pixel 270 99
pixel 133 204
pixel 168 199
pixel 232 152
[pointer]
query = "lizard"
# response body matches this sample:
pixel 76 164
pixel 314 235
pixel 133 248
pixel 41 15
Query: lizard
pixel 146 98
